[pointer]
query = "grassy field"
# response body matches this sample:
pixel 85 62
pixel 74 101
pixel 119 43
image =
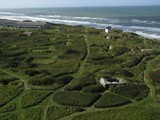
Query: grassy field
pixel 54 75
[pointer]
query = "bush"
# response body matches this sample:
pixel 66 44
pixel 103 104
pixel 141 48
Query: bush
pixel 94 89
pixel 8 79
pixel 61 81
pixel 8 117
pixel 125 73
pixel 119 50
pixel 8 108
pixel 16 52
pixel 7 93
pixel 31 98
pixel 155 76
pixel 32 72
pixel 42 80
pixel 78 84
pixel 75 98
pixel 55 113
pixel 111 100
pixel 132 91
pixel 33 114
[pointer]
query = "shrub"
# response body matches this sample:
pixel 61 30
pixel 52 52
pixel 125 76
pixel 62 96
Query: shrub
pixel 7 93
pixel 55 113
pixel 32 72
pixel 17 52
pixel 132 91
pixel 78 84
pixel 63 80
pixel 42 80
pixel 111 100
pixel 8 108
pixel 155 76
pixel 125 73
pixel 93 89
pixel 75 98
pixel 8 117
pixel 33 113
pixel 31 98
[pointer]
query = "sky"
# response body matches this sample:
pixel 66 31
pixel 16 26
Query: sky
pixel 74 3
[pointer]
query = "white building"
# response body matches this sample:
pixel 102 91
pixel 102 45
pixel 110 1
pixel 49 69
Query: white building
pixel 110 47
pixel 108 29
pixel 112 81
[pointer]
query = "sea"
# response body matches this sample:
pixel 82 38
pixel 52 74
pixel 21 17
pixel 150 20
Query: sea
pixel 143 20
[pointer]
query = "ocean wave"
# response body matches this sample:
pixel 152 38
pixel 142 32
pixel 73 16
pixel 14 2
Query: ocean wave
pixel 139 21
pixel 144 21
pixel 151 29
pixel 7 13
pixel 147 35
pixel 10 13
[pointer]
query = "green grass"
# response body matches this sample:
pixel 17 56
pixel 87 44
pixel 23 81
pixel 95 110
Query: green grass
pixel 127 113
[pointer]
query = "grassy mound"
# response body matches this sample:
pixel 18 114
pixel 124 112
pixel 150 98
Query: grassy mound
pixel 155 76
pixel 55 113
pixel 111 100
pixel 132 91
pixel 75 98
pixel 31 98
pixel 33 114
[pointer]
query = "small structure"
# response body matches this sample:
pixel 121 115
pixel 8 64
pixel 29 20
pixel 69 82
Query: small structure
pixel 110 47
pixel 108 29
pixel 7 23
pixel 30 24
pixel 27 33
pixel 146 50
pixel 112 81
pixel 24 24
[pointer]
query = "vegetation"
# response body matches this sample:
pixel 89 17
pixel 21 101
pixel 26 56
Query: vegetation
pixel 155 76
pixel 127 113
pixel 50 73
pixel 55 113
pixel 132 91
pixel 75 98
pixel 33 114
pixel 31 98
pixel 111 100
pixel 7 93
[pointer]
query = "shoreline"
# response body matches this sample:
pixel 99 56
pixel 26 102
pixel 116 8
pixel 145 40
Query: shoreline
pixel 140 33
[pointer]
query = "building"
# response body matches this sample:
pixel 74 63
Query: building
pixel 27 33
pixel 7 23
pixel 110 47
pixel 30 24
pixel 24 24
pixel 108 29
pixel 112 81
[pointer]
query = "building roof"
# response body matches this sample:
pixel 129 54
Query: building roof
pixel 109 27
pixel 31 23
pixel 4 21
